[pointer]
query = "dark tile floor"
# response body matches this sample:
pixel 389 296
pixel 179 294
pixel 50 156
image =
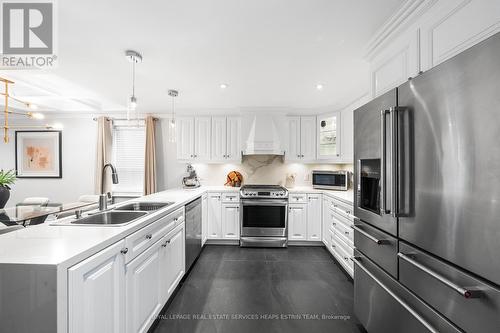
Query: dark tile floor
pixel 233 289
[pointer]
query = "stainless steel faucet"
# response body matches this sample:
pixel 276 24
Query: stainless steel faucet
pixel 103 197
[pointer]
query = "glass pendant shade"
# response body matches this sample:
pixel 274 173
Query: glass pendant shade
pixel 172 131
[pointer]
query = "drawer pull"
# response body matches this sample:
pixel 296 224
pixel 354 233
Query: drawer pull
pixel 124 251
pixel 346 232
pixel 424 322
pixel 370 237
pixel 463 291
pixel 149 236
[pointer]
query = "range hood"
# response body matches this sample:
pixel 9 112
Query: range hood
pixel 263 137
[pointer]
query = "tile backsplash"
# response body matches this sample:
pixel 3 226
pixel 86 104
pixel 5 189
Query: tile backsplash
pixel 263 169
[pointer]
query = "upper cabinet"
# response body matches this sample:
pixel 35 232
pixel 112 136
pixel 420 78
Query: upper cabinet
pixel 209 139
pixel 421 36
pixel 193 138
pixel 226 141
pixel 301 143
pixel 329 137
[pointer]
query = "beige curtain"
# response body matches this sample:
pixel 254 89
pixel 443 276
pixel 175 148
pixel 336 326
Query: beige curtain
pixel 150 157
pixel 104 151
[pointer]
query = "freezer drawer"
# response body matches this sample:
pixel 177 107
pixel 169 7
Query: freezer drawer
pixel 467 301
pixel 383 305
pixel 379 246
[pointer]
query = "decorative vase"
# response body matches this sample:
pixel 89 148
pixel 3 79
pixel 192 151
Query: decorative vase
pixel 4 196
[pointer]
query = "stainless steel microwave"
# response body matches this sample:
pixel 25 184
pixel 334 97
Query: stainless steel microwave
pixel 331 180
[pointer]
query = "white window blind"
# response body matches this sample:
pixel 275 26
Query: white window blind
pixel 128 158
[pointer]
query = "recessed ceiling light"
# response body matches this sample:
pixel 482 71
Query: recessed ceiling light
pixel 319 86
pixel 223 86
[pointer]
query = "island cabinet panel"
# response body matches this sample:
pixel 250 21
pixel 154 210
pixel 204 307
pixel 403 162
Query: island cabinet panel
pixel 143 279
pixel 96 298
pixel 172 262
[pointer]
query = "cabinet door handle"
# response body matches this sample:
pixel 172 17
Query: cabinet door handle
pixel 149 236
pixel 124 251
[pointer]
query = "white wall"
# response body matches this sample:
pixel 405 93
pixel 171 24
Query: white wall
pixel 78 159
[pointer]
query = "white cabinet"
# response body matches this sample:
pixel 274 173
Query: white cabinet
pixel 329 137
pixel 226 141
pixel 304 217
pixel 326 221
pixel 96 299
pixel 193 138
pixel 314 217
pixel 202 136
pixel 233 136
pixel 219 138
pixel 185 137
pixel 293 147
pixel 172 262
pixel 308 138
pixel 204 219
pixel 231 220
pixel 301 145
pixel 297 221
pixel 143 289
pixel 214 216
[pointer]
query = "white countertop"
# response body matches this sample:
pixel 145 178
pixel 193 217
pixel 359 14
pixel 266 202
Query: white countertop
pixel 66 245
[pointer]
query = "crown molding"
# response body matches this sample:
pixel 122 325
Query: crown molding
pixel 408 13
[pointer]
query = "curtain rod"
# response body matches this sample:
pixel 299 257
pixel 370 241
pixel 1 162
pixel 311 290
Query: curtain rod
pixel 123 119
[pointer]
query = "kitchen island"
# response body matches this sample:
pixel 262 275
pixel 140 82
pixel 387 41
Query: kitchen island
pixel 53 271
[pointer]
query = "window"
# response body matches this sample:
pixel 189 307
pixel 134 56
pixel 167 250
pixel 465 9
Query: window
pixel 128 158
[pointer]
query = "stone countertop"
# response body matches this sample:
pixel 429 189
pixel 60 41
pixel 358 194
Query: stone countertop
pixel 65 245
pixel 346 196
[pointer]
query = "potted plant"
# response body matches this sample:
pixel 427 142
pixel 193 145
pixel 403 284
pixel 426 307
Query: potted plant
pixel 6 178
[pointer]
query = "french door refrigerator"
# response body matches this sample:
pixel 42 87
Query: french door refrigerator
pixel 427 202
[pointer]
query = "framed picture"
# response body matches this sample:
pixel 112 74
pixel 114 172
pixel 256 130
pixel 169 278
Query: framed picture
pixel 38 154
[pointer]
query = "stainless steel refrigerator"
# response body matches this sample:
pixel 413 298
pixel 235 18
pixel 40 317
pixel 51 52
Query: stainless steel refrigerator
pixel 427 180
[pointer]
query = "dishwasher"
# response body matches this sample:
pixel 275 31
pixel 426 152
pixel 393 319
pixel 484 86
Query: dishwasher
pixel 193 232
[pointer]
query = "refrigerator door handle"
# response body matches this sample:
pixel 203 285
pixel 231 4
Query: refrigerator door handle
pixel 394 160
pixel 357 261
pixel 463 291
pixel 370 237
pixel 383 164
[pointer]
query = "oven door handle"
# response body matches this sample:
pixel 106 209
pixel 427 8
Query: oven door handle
pixel 264 202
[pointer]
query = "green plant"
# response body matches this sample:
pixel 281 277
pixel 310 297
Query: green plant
pixel 7 178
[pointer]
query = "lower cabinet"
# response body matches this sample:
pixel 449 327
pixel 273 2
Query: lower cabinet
pixel 204 219
pixel 214 216
pixel 231 221
pixel 143 279
pixel 314 217
pixel 107 295
pixel 152 277
pixel 172 262
pixel 297 221
pixel 96 297
pixel 223 216
pixel 304 219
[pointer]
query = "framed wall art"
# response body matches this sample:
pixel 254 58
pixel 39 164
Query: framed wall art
pixel 38 154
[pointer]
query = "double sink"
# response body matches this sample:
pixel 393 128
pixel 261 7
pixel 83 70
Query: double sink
pixel 122 214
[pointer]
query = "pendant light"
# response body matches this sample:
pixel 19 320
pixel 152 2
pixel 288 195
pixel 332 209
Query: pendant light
pixel 135 58
pixel 172 131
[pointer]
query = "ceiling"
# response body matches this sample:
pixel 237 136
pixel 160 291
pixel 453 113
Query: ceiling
pixel 270 53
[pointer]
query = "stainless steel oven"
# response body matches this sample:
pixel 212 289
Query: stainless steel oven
pixel 331 180
pixel 264 216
